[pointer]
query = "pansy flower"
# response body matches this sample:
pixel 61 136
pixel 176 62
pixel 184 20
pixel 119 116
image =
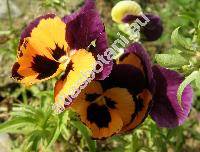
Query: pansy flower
pixel 50 45
pixel 130 11
pixel 134 89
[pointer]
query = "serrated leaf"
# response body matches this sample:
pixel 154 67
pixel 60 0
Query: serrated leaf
pixel 170 60
pixel 91 143
pixel 184 84
pixel 178 40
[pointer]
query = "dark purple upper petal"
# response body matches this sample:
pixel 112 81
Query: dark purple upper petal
pixel 152 31
pixel 84 27
pixel 166 111
pixel 99 49
pixel 139 51
pixel 89 5
pixel 27 31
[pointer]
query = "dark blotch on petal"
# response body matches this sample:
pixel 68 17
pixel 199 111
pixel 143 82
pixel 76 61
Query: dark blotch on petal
pixel 166 110
pixel 99 115
pixel 125 76
pixel 15 74
pixel 139 103
pixel 44 66
pixel 68 69
pixel 92 97
pixel 58 52
pixel 110 103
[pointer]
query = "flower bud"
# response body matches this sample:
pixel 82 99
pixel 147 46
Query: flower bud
pixel 124 8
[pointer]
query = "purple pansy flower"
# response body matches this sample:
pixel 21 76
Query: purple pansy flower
pixel 134 89
pixel 129 12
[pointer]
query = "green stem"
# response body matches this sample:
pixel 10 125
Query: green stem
pixel 9 15
pixel 24 96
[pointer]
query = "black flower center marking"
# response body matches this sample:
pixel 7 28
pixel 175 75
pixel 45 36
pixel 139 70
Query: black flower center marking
pixel 92 97
pixel 139 103
pixel 110 103
pixel 99 114
pixel 44 66
pixel 58 52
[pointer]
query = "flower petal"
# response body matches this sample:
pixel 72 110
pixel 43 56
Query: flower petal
pixel 27 31
pixel 152 31
pixel 123 8
pixel 85 27
pixel 78 72
pixel 166 111
pixel 102 120
pixel 89 5
pixel 143 104
pixel 125 76
pixel 138 51
pixel 39 55
pixel 98 52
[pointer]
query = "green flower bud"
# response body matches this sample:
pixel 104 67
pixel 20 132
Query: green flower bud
pixel 123 8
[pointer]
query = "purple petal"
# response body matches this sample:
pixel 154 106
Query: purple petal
pixel 27 31
pixel 84 29
pixel 99 49
pixel 166 111
pixel 152 31
pixel 130 18
pixel 139 51
pixel 89 5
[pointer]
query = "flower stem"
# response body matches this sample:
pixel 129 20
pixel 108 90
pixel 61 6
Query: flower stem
pixel 9 15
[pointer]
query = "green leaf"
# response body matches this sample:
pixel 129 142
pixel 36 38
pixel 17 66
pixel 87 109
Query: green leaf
pixel 12 125
pixel 91 143
pixel 170 60
pixel 184 84
pixel 54 136
pixel 197 80
pixel 198 34
pixel 180 41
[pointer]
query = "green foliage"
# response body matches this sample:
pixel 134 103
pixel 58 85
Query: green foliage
pixel 185 58
pixel 38 124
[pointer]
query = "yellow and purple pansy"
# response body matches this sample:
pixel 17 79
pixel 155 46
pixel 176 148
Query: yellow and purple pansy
pixel 50 45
